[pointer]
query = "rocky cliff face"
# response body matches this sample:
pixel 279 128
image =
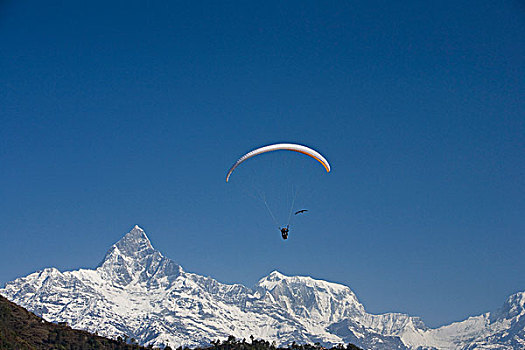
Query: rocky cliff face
pixel 138 292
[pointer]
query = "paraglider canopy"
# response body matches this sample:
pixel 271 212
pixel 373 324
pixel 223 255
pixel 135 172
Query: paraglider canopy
pixel 281 146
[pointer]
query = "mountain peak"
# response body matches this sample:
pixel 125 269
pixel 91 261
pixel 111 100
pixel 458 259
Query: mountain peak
pixel 134 246
pixel 133 258
pixel 276 278
pixel 304 296
pixel 135 243
pixel 275 275
pixel 513 307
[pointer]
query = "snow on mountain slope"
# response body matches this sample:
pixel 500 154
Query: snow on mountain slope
pixel 138 292
pixel 320 301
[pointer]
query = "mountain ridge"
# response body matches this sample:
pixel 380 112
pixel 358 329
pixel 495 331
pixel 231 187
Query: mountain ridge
pixel 137 291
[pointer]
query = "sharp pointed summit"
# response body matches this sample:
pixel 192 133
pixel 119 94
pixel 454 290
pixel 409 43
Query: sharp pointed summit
pixel 133 259
pixel 135 244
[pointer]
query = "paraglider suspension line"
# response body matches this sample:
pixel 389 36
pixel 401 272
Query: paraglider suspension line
pixel 291 207
pixel 263 198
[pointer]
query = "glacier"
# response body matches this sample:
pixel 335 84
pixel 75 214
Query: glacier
pixel 138 292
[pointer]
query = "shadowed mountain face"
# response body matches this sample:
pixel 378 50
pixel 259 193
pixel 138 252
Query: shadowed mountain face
pixel 138 292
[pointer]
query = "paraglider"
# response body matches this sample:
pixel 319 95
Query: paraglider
pixel 276 147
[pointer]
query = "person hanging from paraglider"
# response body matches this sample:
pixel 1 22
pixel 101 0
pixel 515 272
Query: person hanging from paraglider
pixel 284 232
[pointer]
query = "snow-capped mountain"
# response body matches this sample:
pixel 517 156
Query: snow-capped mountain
pixel 138 292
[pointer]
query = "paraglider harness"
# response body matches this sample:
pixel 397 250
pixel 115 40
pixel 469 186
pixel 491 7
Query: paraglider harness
pixel 284 232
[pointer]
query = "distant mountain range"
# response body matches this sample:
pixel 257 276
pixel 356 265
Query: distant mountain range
pixel 138 292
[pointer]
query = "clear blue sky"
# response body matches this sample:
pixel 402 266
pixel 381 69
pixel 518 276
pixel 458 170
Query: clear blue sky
pixel 121 113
